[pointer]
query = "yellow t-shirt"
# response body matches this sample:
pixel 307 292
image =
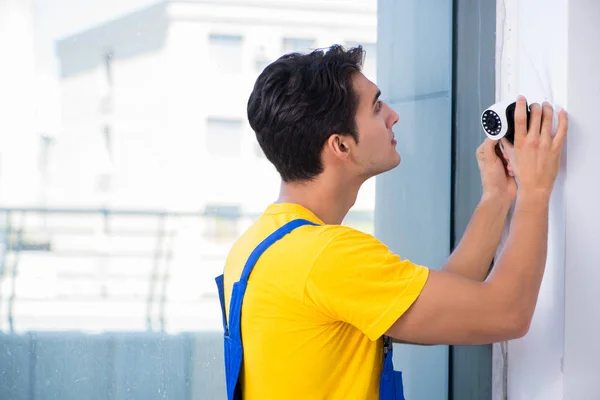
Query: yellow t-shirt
pixel 317 304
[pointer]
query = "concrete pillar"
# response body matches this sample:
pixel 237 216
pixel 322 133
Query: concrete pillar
pixel 546 51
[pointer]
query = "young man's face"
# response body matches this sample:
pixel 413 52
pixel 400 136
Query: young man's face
pixel 376 150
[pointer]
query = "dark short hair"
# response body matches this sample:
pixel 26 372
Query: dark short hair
pixel 298 102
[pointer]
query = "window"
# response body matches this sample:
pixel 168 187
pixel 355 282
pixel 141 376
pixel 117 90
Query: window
pixel 226 53
pixel 298 45
pixel 144 174
pixel 224 137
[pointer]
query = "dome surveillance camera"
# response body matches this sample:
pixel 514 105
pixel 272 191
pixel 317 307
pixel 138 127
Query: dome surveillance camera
pixel 498 120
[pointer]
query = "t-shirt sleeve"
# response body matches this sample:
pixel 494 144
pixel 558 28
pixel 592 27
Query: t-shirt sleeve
pixel 358 280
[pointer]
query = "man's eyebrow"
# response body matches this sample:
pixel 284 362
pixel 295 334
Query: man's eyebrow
pixel 376 97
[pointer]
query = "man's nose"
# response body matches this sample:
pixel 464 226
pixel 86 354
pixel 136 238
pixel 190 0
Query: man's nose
pixel 394 117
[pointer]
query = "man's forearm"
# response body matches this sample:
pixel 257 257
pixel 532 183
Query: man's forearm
pixel 475 252
pixel 518 273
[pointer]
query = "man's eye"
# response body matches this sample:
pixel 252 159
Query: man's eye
pixel 378 106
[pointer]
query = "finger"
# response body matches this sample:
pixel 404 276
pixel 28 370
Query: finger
pixel 520 120
pixel 509 153
pixel 535 121
pixel 546 130
pixel 561 131
pixel 489 149
pixel 500 154
pixel 507 147
pixel 480 153
pixel 509 170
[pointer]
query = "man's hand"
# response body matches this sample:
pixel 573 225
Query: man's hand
pixel 535 157
pixel 496 179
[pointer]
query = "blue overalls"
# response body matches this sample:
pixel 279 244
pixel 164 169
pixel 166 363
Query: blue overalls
pixel 390 387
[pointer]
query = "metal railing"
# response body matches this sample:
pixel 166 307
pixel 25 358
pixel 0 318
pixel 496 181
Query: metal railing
pixel 38 230
pixel 15 242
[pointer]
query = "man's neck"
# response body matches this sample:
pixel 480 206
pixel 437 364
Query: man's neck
pixel 328 199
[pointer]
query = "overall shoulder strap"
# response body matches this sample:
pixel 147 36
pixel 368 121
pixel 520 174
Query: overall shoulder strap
pixel 239 288
pixel 266 243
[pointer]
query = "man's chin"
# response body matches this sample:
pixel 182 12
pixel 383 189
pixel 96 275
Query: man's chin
pixel 389 167
pixel 398 161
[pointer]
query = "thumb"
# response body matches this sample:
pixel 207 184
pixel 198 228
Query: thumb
pixel 489 148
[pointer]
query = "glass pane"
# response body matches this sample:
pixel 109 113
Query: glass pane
pixel 413 201
pixel 127 170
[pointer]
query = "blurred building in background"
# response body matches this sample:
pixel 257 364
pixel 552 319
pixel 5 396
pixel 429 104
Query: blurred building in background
pixel 151 119
pixel 154 103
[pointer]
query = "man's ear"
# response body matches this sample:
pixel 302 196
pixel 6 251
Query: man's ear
pixel 338 145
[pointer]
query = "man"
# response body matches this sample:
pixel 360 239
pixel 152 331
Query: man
pixel 321 298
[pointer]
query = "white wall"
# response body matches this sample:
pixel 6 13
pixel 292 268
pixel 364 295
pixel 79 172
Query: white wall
pixel 582 195
pixel 538 69
pixel 546 51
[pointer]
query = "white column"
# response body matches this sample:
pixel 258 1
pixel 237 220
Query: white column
pixel 532 56
pixel 546 51
pixel 582 198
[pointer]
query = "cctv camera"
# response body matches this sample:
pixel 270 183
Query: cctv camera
pixel 498 120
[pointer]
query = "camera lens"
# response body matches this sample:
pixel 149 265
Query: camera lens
pixel 491 122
